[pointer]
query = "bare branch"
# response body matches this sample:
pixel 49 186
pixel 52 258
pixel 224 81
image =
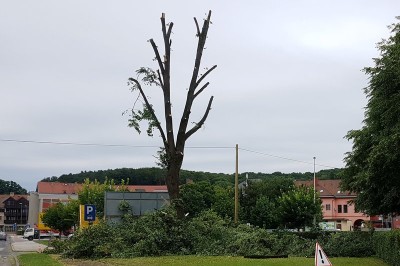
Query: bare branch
pixel 148 105
pixel 155 49
pixel 201 122
pixel 201 89
pixel 205 75
pixel 171 24
pixel 197 27
pixel 160 79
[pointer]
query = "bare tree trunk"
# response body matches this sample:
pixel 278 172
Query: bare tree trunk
pixel 172 181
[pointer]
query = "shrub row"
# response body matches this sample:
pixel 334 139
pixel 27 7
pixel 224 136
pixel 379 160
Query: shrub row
pixel 162 233
pixel 387 246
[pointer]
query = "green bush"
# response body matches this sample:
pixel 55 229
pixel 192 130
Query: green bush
pixel 56 247
pixel 96 241
pixel 209 234
pixel 162 233
pixel 387 246
pixel 349 244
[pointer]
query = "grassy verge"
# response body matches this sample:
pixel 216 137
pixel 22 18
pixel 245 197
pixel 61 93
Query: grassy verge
pixel 46 260
pixel 42 241
pixel 37 259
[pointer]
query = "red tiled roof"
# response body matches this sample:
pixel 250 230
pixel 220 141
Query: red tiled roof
pixel 58 188
pixel 134 188
pixel 325 188
pixel 74 188
pixel 5 197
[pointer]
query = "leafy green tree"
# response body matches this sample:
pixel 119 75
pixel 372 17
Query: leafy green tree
pixel 270 188
pixel 197 197
pixel 224 204
pixel 373 166
pixel 264 214
pixel 297 209
pixel 10 186
pixel 62 217
pixel 92 192
pixel 173 148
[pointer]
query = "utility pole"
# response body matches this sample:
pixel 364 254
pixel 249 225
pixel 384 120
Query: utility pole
pixel 314 179
pixel 315 220
pixel 237 186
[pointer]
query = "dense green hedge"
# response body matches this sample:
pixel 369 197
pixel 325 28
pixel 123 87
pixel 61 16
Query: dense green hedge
pixel 387 246
pixel 162 233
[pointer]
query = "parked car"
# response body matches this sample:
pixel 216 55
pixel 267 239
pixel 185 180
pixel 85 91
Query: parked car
pixel 3 235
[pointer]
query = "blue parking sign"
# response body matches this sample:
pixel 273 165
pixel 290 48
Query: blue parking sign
pixel 90 213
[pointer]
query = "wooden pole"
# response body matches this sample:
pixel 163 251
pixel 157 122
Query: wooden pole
pixel 237 186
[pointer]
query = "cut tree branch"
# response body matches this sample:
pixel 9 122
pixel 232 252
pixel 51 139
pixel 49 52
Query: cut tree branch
pixel 205 75
pixel 155 49
pixel 201 89
pixel 197 27
pixel 201 122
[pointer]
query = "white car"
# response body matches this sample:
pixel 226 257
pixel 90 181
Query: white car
pixel 3 235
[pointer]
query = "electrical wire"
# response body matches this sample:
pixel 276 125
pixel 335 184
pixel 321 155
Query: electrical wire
pixel 285 158
pixel 153 146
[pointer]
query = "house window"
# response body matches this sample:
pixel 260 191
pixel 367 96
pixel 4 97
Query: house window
pixel 328 207
pixel 339 208
pixel 345 208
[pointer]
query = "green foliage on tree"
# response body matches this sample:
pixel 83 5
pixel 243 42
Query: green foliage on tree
pixel 297 209
pixel 62 216
pixel 10 186
pixel 156 176
pixel 202 196
pixel 92 192
pixel 373 166
pixel 264 214
pixel 258 199
pixel 224 204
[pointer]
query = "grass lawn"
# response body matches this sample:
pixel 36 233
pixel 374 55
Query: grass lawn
pixel 46 260
pixel 37 259
pixel 42 241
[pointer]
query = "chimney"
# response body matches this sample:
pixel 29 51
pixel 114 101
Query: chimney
pixel 12 194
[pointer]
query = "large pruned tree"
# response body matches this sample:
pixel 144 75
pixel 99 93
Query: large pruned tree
pixel 172 150
pixel 373 166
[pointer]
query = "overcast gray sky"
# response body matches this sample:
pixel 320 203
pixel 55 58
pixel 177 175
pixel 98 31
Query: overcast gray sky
pixel 288 85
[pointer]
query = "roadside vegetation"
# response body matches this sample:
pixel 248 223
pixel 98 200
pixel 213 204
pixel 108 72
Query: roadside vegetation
pixel 162 233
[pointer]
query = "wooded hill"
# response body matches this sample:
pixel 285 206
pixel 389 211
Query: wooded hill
pixel 155 176
pixel 6 187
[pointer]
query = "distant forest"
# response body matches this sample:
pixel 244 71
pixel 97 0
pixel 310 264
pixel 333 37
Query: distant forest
pixel 155 176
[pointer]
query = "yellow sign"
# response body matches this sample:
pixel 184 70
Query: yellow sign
pixel 40 224
pixel 82 222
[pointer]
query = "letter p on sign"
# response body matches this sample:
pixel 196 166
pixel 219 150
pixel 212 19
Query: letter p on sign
pixel 90 212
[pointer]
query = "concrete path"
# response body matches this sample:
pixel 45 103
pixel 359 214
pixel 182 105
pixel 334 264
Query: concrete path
pixel 18 244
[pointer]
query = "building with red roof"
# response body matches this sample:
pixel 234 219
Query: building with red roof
pixel 50 193
pixel 338 211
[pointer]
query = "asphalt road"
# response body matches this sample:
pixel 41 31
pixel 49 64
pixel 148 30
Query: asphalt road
pixel 6 254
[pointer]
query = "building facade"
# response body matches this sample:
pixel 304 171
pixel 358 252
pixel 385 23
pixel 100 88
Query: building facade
pixel 50 193
pixel 337 209
pixel 14 212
